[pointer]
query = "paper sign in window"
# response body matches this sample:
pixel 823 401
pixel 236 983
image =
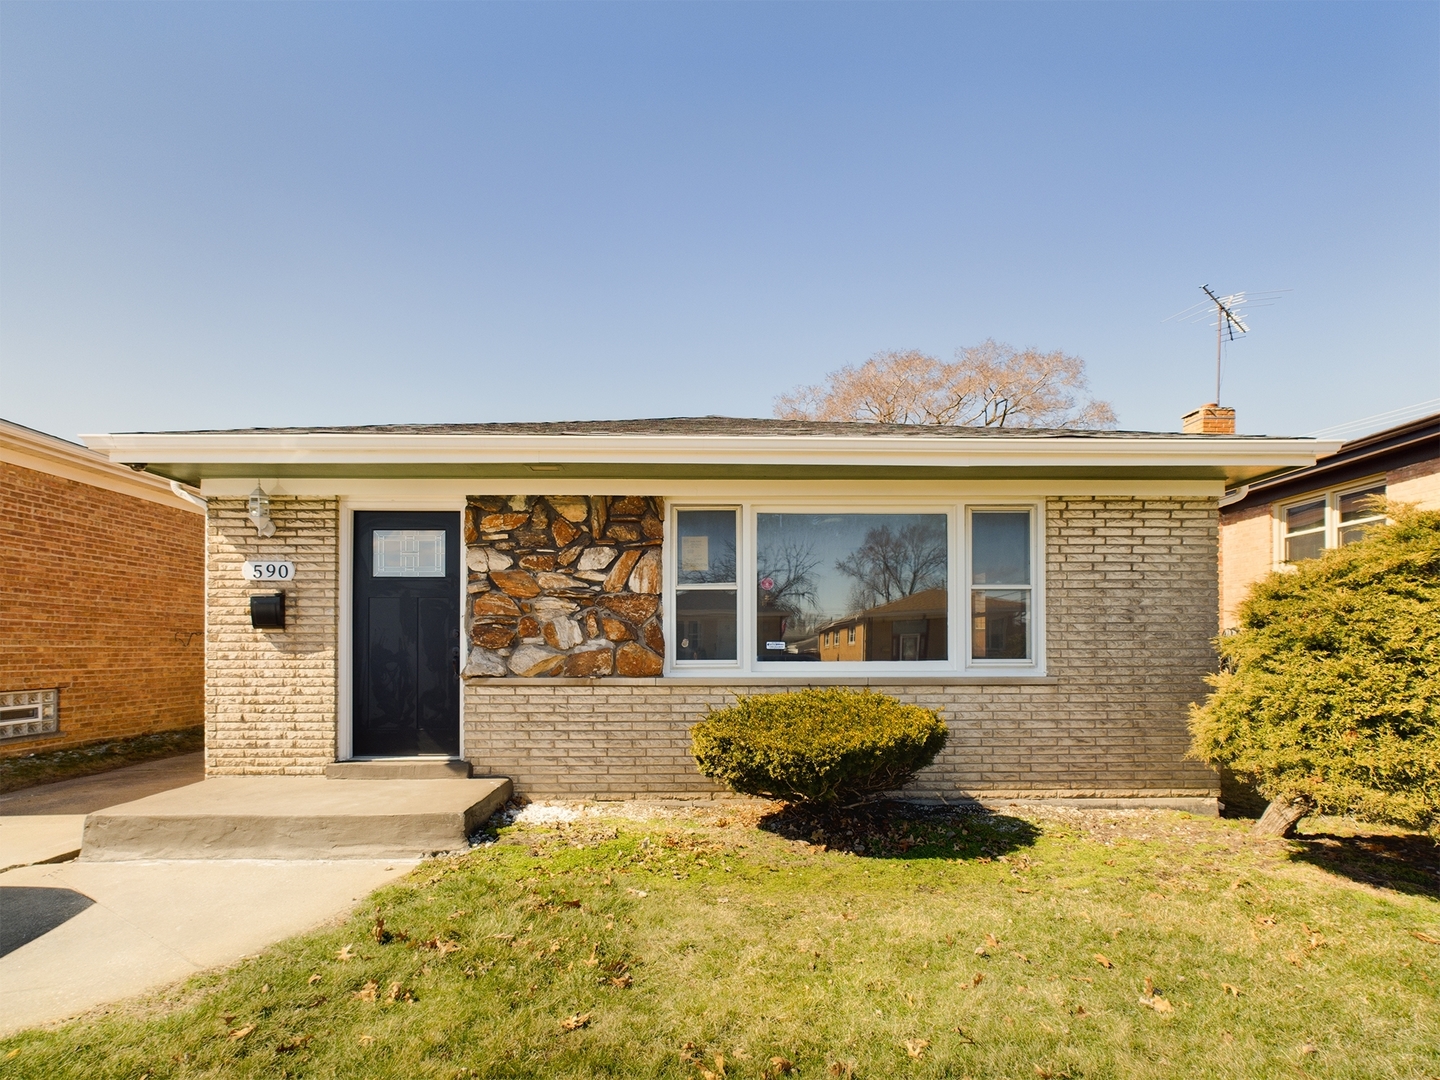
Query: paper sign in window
pixel 695 553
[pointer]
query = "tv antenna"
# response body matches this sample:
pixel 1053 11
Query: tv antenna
pixel 1228 323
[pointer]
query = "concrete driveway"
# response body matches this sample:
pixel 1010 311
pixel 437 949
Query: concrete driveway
pixel 74 936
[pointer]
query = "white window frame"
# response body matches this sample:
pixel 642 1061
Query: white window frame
pixel 957 584
pixel 1332 497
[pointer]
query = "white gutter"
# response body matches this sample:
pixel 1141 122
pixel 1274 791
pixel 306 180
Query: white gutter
pixel 187 496
pixel 1230 498
pixel 293 449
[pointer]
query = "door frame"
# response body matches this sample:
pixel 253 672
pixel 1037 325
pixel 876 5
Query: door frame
pixel 345 666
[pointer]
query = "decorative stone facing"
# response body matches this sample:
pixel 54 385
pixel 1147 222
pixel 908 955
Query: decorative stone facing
pixel 270 696
pixel 562 585
pixel 1131 607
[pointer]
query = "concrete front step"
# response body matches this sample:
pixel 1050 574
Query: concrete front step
pixel 399 769
pixel 294 817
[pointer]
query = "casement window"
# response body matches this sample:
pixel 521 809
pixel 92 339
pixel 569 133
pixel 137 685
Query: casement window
pixel 775 589
pixel 1327 519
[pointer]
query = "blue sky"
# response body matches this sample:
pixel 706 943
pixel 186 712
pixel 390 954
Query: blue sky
pixel 228 215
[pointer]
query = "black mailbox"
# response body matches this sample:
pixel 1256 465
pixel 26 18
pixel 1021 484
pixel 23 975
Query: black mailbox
pixel 267 611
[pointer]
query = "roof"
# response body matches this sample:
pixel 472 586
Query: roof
pixel 702 447
pixel 1393 448
pixel 920 603
pixel 35 450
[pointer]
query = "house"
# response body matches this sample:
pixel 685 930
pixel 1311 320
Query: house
pixel 558 602
pixel 1269 524
pixel 103 598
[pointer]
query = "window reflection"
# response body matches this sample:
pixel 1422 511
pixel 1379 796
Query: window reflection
pixel 851 587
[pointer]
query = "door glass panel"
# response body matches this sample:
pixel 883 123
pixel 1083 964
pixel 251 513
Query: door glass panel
pixel 705 625
pixel 409 553
pixel 881 578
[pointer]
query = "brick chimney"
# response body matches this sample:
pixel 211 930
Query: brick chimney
pixel 1209 419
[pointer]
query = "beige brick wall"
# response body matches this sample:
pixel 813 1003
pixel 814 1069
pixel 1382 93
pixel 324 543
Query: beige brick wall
pixel 270 695
pixel 1417 483
pixel 1131 603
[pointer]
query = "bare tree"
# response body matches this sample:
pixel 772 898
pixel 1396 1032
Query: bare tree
pixel 894 563
pixel 990 385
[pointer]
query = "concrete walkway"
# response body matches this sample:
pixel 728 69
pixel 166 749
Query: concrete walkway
pixel 86 794
pixel 78 935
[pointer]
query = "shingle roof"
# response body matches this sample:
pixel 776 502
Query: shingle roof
pixel 693 426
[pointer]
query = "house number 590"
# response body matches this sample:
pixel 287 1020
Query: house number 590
pixel 268 570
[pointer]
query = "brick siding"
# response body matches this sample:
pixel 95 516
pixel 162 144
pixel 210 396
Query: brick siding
pixel 1131 606
pixel 270 696
pixel 103 597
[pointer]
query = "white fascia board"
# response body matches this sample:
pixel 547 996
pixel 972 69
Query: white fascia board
pixel 912 451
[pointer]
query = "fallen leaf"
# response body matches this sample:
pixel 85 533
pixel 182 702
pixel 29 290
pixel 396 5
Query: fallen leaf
pixel 575 1022
pixel 1080 1011
pixel 1158 1003
pixel 571 903
pixel 240 1033
pixel 720 1064
pixel 1427 938
pixel 313 979
pixel 1230 989
pixel 368 991
pixel 1149 986
pixel 782 1065
pixel 265 989
pixel 978 979
pixel 1308 1048
pixel 292 1044
pixel 399 993
pixel 916 1047
pixel 1103 961
pixel 992 941
pixel 641 893
pixel 622 981
pixel 366 1040
pixel 458 914
pixel 344 955
pixel 842 1068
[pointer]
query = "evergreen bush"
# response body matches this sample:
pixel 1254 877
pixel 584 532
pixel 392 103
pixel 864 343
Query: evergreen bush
pixel 1329 693
pixel 819 746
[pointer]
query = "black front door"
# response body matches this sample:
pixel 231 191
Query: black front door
pixel 407 634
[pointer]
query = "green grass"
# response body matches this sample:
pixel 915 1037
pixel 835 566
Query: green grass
pixel 682 938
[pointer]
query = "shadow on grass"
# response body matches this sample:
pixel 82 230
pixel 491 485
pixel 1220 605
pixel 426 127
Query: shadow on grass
pixel 891 829
pixel 1408 863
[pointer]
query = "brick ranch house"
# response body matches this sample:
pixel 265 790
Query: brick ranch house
pixel 103 604
pixel 1274 523
pixel 558 603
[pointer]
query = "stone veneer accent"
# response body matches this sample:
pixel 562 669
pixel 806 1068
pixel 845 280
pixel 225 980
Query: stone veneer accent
pixel 564 586
pixel 270 701
pixel 1131 606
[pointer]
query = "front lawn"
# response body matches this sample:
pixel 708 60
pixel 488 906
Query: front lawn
pixel 693 944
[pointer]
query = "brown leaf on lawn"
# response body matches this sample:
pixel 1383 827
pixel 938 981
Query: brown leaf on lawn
pixel 687 1053
pixel 980 951
pixel 290 1045
pixel 622 981
pixel 1103 961
pixel 992 941
pixel 782 1065
pixel 399 993
pixel 1156 1002
pixel 571 903
pixel 1080 1011
pixel 378 931
pixel 1427 938
pixel 575 1022
pixel 368 991
pixel 593 960
pixel 1230 988
pixel 240 1033
pixel 1264 920
pixel 720 1064
pixel 313 979
pixel 641 893
pixel 916 1047
pixel 978 979
pixel 366 1040
pixel 842 1068
pixel 1149 986
pixel 458 914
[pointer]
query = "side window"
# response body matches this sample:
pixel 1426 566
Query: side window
pixel 1304 530
pixel 1358 511
pixel 1000 585
pixel 705 586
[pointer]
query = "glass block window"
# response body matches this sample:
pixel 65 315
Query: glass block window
pixel 27 713
pixel 1000 585
pixel 408 553
pixel 706 589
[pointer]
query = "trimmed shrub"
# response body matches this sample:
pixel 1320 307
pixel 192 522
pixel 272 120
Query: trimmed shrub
pixel 819 746
pixel 1329 697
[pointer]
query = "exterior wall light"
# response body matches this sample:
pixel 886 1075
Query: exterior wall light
pixel 260 512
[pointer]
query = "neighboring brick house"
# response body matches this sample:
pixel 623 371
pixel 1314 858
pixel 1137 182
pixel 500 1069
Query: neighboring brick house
pixel 101 598
pixel 558 603
pixel 1267 525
